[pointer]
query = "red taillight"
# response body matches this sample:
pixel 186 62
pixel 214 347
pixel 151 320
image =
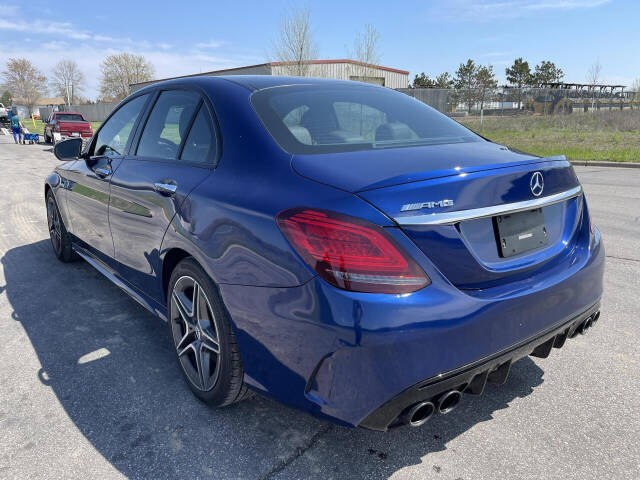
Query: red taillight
pixel 350 253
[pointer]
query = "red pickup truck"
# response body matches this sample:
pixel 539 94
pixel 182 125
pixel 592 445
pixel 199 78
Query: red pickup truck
pixel 67 124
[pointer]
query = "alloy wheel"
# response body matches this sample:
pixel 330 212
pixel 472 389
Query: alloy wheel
pixel 53 221
pixel 195 333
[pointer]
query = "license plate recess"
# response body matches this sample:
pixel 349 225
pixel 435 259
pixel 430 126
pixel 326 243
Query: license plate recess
pixel 520 232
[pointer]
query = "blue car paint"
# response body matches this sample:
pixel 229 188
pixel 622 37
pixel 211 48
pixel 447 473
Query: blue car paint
pixel 332 352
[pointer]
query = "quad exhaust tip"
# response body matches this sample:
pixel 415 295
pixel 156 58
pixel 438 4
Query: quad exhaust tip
pixel 420 413
pixel 449 401
pixel 585 326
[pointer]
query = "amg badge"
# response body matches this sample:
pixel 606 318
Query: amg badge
pixel 418 206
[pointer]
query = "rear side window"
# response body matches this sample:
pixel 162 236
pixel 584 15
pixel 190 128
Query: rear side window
pixel 199 147
pixel 317 118
pixel 168 124
pixel 114 134
pixel 69 117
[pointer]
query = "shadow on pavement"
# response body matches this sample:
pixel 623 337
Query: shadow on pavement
pixel 111 365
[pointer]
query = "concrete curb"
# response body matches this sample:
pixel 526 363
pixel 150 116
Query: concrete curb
pixel 588 163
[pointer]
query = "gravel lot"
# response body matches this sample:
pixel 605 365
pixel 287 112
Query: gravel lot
pixel 89 387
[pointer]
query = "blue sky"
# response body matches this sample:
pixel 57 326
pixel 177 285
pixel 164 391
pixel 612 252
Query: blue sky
pixel 429 35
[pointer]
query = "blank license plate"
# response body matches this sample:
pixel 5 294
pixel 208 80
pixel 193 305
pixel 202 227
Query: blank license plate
pixel 520 232
pixel 75 134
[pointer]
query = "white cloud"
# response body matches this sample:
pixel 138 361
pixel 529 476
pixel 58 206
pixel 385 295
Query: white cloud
pixel 566 4
pixel 211 44
pixel 495 54
pixel 8 11
pixel 59 40
pixel 41 27
pixel 486 10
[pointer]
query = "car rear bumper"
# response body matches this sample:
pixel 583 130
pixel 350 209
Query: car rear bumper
pixel 473 378
pixel 65 136
pixel 358 358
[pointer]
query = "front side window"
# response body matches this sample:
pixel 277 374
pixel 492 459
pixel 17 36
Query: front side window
pixel 114 134
pixel 168 125
pixel 307 119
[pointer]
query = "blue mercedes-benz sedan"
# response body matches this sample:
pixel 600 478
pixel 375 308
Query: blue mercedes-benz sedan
pixel 338 246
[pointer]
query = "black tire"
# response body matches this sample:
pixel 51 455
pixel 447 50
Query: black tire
pixel 60 240
pixel 196 339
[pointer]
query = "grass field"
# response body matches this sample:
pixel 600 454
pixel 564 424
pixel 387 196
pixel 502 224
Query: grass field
pixel 607 135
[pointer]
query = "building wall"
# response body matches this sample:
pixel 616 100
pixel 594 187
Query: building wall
pixel 337 70
pixel 254 70
pixel 348 71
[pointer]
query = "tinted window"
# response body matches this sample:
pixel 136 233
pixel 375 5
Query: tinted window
pixel 168 124
pixel 201 139
pixel 69 117
pixel 359 119
pixel 338 118
pixel 114 134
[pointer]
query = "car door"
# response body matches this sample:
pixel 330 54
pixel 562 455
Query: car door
pixel 88 186
pixel 176 150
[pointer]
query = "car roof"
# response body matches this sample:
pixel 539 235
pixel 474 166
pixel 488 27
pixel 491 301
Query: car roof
pixel 254 82
pixel 69 113
pixel 258 82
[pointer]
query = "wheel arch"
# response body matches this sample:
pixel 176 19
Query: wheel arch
pixel 170 260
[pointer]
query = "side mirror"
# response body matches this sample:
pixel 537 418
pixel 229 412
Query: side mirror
pixel 68 149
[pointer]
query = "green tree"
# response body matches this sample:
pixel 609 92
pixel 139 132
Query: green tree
pixel 547 72
pixel 486 82
pixel 519 76
pixel 465 83
pixel 444 80
pixel 422 81
pixel 5 99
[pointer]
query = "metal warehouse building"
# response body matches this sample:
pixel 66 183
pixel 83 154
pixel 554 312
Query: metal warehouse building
pixel 342 69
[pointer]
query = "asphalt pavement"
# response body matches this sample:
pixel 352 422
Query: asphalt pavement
pixel 89 387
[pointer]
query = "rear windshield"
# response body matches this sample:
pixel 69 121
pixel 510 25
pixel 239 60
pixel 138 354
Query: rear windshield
pixel 69 117
pixel 307 119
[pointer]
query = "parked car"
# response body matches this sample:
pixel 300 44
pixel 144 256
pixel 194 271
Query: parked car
pixel 339 246
pixel 67 124
pixel 4 114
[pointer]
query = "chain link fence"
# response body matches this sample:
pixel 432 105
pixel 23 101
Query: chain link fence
pixel 515 101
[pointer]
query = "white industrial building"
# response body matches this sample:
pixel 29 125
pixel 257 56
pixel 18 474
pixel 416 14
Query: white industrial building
pixel 343 69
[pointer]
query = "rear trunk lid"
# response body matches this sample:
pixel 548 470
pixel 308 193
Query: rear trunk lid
pixel 449 199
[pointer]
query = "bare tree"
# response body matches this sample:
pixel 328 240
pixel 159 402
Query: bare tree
pixel 635 87
pixel 295 45
pixel 67 80
pixel 366 53
pixel 120 71
pixel 25 81
pixel 593 79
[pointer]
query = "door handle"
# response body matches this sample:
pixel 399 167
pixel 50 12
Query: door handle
pixel 165 188
pixel 102 171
